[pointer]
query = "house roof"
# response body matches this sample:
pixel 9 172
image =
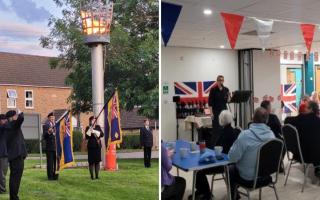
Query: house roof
pixel 21 69
pixel 131 120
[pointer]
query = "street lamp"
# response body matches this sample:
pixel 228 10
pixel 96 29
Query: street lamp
pixel 96 19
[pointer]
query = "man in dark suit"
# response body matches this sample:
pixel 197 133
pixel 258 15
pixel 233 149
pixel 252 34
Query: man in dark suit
pixel 273 121
pixel 308 126
pixel 146 140
pixel 3 154
pixel 219 96
pixel 49 134
pixel 17 151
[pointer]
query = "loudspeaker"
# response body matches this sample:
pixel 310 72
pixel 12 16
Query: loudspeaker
pixel 176 99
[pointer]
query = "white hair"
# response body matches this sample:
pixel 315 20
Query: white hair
pixel 225 118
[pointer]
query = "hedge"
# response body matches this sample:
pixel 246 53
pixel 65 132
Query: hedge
pixel 129 142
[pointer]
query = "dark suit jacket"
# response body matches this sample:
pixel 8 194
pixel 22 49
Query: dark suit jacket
pixel 227 138
pixel 94 142
pixel 3 142
pixel 275 125
pixel 15 140
pixel 308 126
pixel 146 138
pixel 49 138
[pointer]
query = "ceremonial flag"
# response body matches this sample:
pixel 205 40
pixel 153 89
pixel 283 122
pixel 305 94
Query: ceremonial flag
pixel 190 92
pixel 112 121
pixel 288 97
pixel 64 142
pixel 232 24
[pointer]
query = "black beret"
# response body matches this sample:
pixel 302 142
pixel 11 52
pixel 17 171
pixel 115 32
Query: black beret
pixel 2 116
pixel 50 114
pixel 11 113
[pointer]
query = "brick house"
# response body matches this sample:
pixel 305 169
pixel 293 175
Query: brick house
pixel 27 83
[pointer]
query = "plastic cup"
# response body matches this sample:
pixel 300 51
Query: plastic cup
pixel 218 150
pixel 193 146
pixel 183 152
pixel 202 146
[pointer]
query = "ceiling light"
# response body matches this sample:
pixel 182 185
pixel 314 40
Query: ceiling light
pixel 296 51
pixel 207 11
pixel 221 46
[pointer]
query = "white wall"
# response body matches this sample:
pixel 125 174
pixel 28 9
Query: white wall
pixel 266 77
pixel 192 64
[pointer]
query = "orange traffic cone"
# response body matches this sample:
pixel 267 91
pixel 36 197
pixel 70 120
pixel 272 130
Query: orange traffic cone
pixel 111 158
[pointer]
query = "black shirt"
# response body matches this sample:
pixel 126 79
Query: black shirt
pixel 218 99
pixel 275 125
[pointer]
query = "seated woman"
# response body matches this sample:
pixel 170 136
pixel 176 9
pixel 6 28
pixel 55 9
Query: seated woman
pixel 172 187
pixel 227 138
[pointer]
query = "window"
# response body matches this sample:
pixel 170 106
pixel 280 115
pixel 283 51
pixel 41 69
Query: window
pixel 11 98
pixel 29 99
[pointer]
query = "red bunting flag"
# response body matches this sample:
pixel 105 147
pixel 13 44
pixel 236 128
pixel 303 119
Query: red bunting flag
pixel 232 24
pixel 285 55
pixel 291 55
pixel 316 56
pixel 308 33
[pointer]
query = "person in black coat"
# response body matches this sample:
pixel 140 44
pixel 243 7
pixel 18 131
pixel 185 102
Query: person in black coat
pixel 219 96
pixel 93 134
pixel 146 140
pixel 17 151
pixel 226 140
pixel 273 120
pixel 49 135
pixel 3 154
pixel 308 126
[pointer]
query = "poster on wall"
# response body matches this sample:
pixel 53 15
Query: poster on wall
pixel 288 97
pixel 196 91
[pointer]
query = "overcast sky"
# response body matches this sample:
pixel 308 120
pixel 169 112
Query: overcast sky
pixel 22 22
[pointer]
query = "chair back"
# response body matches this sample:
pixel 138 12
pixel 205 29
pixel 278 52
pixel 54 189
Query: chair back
pixel 292 141
pixel 269 159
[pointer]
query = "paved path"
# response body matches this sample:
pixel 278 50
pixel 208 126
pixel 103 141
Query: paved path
pixel 131 155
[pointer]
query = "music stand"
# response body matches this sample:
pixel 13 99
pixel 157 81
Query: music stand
pixel 237 98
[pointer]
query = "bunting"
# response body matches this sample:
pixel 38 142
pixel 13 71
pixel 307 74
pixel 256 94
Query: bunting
pixel 308 33
pixel 232 24
pixel 169 16
pixel 264 28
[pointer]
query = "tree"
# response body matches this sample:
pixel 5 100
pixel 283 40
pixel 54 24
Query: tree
pixel 132 55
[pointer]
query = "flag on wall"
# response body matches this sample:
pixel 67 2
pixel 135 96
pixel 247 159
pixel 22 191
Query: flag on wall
pixel 288 97
pixel 193 91
pixel 64 142
pixel 233 25
pixel 169 16
pixel 112 121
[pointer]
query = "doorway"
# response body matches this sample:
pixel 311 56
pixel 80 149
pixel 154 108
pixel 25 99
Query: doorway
pixel 294 75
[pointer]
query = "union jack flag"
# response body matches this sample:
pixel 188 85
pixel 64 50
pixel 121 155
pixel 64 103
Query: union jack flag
pixel 288 97
pixel 193 91
pixel 67 125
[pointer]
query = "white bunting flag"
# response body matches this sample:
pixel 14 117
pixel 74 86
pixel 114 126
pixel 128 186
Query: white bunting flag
pixel 264 28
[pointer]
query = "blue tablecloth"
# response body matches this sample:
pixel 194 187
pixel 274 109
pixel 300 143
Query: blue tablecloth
pixel 191 162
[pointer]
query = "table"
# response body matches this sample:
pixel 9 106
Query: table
pixel 200 122
pixel 191 163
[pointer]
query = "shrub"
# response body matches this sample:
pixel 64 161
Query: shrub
pixel 130 142
pixel 77 141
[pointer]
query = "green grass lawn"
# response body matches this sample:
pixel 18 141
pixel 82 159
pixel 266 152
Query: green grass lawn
pixel 132 181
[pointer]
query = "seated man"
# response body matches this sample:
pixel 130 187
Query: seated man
pixel 245 149
pixel 172 187
pixel 227 138
pixel 308 126
pixel 273 121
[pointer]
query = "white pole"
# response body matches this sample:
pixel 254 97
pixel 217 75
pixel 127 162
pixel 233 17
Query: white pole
pixel 98 89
